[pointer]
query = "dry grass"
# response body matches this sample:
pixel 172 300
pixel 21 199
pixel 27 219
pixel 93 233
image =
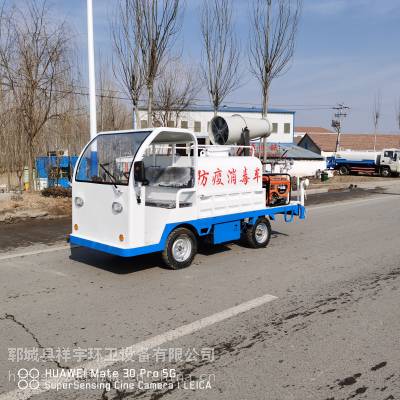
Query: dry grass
pixel 349 179
pixel 36 202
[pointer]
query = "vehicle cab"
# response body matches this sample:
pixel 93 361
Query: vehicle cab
pixel 390 159
pixel 122 176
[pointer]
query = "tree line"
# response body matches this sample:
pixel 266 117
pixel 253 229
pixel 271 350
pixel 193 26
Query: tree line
pixel 43 98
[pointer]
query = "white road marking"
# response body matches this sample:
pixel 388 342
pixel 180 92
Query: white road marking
pixel 126 353
pixel 34 252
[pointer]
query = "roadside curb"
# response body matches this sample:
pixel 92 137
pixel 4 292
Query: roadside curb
pixel 10 219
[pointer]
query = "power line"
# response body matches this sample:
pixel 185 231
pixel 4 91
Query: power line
pixel 111 94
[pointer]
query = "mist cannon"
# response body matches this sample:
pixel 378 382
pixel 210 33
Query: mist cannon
pixel 234 129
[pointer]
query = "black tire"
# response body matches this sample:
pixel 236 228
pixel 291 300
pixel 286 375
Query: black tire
pixel 255 239
pixel 344 170
pixel 385 172
pixel 175 255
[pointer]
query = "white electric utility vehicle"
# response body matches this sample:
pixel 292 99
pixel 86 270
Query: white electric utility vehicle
pixel 157 190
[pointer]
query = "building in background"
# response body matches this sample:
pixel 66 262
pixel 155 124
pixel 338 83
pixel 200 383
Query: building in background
pixel 325 143
pixel 55 169
pixel 197 119
pixel 300 131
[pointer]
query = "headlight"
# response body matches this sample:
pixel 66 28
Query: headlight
pixel 117 207
pixel 79 201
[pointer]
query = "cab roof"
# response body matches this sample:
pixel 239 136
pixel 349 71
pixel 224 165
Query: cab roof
pixel 161 134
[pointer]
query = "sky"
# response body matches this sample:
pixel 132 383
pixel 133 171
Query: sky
pixel 347 51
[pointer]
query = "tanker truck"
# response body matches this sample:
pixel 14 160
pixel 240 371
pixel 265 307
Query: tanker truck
pixel 385 162
pixel 157 190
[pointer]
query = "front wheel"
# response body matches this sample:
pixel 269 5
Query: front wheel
pixel 259 234
pixel 385 172
pixel 180 248
pixel 344 170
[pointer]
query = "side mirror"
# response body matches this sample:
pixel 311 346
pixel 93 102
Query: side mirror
pixel 139 172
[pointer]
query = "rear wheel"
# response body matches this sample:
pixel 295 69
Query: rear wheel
pixel 180 248
pixel 344 170
pixel 259 234
pixel 385 172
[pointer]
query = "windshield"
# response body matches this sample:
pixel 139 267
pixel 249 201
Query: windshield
pixel 108 158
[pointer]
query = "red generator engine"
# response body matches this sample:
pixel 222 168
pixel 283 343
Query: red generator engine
pixel 277 188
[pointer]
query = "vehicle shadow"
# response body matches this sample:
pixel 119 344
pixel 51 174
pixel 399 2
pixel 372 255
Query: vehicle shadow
pixel 388 193
pixel 208 249
pixel 275 234
pixel 115 264
pixel 128 265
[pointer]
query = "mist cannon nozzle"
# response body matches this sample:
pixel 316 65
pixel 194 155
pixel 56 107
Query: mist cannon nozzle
pixel 229 130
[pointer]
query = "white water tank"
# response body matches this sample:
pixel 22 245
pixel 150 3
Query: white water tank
pixel 358 155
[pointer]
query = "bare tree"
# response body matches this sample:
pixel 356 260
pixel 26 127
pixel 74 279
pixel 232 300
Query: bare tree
pixel 112 114
pixel 37 69
pixel 272 42
pixel 376 114
pixel 221 51
pixel 397 112
pixel 158 23
pixel 8 138
pixel 12 148
pixel 176 90
pixel 129 68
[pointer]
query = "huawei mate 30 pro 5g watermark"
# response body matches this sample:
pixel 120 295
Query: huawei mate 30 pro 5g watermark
pixel 109 379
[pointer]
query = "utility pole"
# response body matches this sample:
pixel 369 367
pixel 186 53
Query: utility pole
pixel 376 115
pixel 340 114
pixel 92 89
pixel 92 76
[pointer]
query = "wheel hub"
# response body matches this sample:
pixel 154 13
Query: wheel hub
pixel 181 249
pixel 261 233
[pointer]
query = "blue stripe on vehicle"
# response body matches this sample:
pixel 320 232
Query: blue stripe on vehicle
pixel 203 223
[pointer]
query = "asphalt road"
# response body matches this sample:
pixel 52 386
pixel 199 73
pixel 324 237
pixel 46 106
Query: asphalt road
pixel 315 315
pixel 45 232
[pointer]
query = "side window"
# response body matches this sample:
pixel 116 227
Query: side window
pixel 286 128
pixel 274 127
pixel 197 126
pixel 388 154
pixel 168 165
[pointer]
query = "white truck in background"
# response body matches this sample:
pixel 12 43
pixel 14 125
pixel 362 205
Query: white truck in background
pixel 385 162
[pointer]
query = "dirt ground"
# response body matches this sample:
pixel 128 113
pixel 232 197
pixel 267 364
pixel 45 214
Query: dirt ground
pixel 348 179
pixel 15 207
